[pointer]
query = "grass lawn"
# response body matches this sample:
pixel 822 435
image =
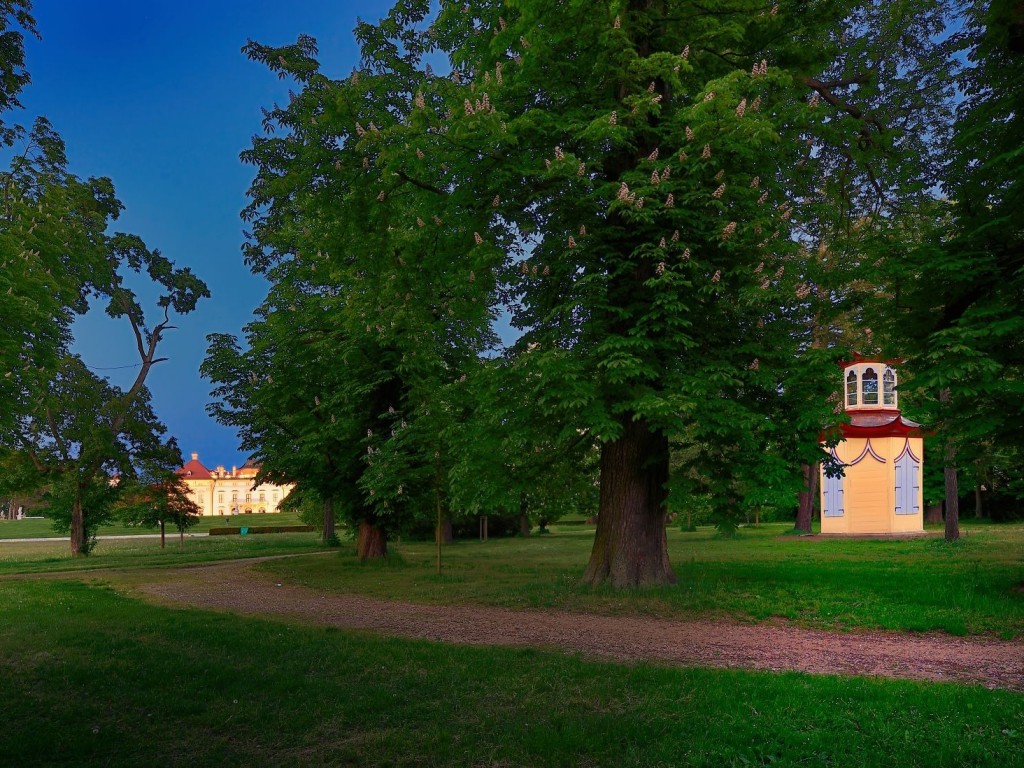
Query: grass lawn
pixel 969 587
pixel 35 528
pixel 134 553
pixel 89 677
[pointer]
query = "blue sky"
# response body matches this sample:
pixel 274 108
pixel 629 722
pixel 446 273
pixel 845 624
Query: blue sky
pixel 157 96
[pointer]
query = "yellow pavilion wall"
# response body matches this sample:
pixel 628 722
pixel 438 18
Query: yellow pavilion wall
pixel 869 488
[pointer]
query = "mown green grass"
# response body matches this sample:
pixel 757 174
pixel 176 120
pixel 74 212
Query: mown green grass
pixel 969 587
pixel 90 677
pixel 46 556
pixel 35 528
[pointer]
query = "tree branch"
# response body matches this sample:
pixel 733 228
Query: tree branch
pixel 421 184
pixel 825 91
pixel 61 445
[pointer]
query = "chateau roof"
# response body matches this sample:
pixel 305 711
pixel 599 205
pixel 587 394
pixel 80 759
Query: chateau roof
pixel 194 470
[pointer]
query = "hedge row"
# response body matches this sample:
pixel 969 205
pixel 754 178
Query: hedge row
pixel 232 531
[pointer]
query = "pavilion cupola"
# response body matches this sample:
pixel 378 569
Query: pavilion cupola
pixel 869 385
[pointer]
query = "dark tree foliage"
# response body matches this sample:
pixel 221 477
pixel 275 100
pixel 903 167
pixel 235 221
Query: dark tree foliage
pixel 957 296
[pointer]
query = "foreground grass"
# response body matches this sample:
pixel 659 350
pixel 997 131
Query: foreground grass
pixel 35 528
pixel 90 677
pixel 969 587
pixel 40 557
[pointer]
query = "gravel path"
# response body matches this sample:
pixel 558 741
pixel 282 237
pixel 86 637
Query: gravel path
pixel 235 586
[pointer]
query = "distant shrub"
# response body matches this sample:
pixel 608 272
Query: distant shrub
pixel 232 531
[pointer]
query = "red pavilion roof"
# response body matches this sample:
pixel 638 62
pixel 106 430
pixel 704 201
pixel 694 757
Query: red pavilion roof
pixel 880 423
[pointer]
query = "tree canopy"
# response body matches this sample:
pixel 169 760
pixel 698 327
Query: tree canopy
pixel 659 195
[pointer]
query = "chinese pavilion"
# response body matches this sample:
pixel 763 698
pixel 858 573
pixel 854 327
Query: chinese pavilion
pixel 882 454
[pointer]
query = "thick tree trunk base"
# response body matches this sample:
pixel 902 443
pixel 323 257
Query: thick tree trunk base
pixel 371 543
pixel 630 546
pixel 933 514
pixel 524 525
pixel 447 534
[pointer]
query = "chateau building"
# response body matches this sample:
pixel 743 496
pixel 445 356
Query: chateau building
pixel 220 492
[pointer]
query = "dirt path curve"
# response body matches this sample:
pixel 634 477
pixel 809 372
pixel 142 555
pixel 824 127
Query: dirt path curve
pixel 235 586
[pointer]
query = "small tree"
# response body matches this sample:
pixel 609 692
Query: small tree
pixel 162 502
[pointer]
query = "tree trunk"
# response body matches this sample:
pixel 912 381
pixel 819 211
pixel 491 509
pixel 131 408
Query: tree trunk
pixel 933 514
pixel 979 507
pixel 327 534
pixel 524 518
pixel 952 494
pixel 371 543
pixel 181 538
pixel 438 532
pixel 630 546
pixel 447 534
pixel 805 500
pixel 79 546
pixel 950 473
pixel 163 535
